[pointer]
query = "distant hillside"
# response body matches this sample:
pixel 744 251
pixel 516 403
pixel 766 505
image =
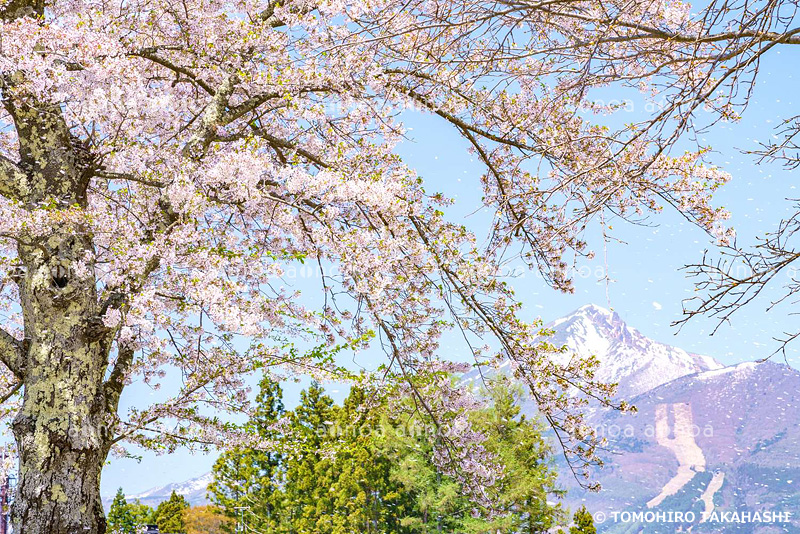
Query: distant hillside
pixel 193 490
pixel 724 440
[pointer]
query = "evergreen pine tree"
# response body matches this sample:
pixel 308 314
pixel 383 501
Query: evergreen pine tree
pixel 169 515
pixel 433 502
pixel 142 514
pixel 251 478
pixel 439 504
pixel 583 522
pixel 529 481
pixel 428 502
pixel 120 516
pixel 370 470
pixel 366 498
pixel 309 471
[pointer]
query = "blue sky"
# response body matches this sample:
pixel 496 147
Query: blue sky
pixel 648 285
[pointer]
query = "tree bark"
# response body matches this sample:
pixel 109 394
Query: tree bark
pixel 62 429
pixel 58 492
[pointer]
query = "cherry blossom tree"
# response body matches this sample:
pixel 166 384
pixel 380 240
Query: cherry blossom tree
pixel 164 163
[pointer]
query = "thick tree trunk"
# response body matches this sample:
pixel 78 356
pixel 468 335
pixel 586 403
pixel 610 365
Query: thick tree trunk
pixel 62 429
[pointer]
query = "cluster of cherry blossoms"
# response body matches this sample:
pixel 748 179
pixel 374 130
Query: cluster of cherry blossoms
pixel 216 159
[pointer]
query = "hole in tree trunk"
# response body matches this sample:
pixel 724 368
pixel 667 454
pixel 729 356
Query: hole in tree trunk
pixel 60 276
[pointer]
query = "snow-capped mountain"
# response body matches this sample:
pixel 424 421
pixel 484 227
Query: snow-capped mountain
pixel 193 490
pixel 626 356
pixel 706 439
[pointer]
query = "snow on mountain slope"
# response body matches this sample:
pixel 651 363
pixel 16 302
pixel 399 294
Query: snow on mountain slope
pixel 745 423
pixel 626 356
pixel 193 490
pixel 188 487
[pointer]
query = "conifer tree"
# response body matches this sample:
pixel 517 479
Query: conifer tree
pixel 583 522
pixel 529 481
pixel 368 467
pixel 251 477
pixel 120 516
pixel 169 515
pixel 142 514
pixel 309 471
pixel 435 502
pixel 524 493
pixel 366 497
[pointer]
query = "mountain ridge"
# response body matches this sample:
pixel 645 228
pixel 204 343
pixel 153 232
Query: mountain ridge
pixel 193 490
pixel 626 356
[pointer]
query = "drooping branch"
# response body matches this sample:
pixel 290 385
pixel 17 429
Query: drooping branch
pixel 741 276
pixel 646 31
pixel 786 149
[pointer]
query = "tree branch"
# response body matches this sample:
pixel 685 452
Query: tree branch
pixel 11 392
pixel 150 54
pixel 112 388
pixel 11 177
pixel 12 354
